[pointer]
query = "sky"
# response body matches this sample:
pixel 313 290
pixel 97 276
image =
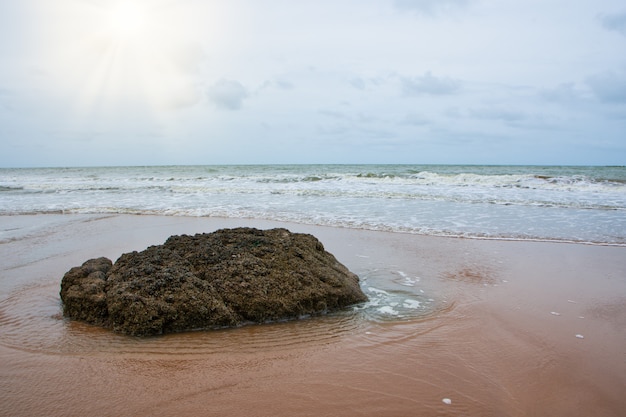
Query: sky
pixel 160 82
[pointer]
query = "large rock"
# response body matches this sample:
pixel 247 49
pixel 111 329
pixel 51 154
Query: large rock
pixel 226 278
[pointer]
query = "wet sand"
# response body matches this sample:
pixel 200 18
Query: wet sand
pixel 498 328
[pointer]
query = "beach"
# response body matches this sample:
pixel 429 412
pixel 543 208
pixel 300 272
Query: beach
pixel 460 166
pixel 454 326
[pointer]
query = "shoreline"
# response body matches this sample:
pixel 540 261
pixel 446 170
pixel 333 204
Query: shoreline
pixel 498 339
pixel 315 225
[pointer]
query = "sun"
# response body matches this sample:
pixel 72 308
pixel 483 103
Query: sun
pixel 127 20
pixel 142 56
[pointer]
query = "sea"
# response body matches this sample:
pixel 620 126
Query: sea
pixel 583 204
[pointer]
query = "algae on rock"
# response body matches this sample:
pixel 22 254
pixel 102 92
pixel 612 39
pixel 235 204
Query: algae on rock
pixel 225 278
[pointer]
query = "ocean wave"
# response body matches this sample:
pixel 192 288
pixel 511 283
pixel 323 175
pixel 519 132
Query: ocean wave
pixel 96 178
pixel 561 203
pixel 462 180
pixel 7 188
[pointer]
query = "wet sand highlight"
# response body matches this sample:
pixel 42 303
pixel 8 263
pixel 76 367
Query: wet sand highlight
pixel 490 326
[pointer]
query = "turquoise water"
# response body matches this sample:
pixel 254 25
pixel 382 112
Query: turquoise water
pixel 580 204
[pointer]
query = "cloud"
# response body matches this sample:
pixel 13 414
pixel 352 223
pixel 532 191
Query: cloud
pixel 493 113
pixel 227 94
pixel 6 99
pixel 563 93
pixel 332 114
pixel 429 84
pixel 430 7
pixel 363 84
pixel 609 86
pixel 513 118
pixel 183 96
pixel 358 83
pixel 283 84
pixel 279 83
pixel 274 84
pixel 333 129
pixel 615 22
pixel 414 119
pixel 184 57
pixel 453 112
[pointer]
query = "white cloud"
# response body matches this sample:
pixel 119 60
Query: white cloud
pixel 430 7
pixel 609 86
pixel 429 84
pixel 615 22
pixel 227 94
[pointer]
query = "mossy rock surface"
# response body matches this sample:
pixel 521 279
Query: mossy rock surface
pixel 226 278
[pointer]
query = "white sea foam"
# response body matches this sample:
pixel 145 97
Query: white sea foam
pixel 414 304
pixel 377 291
pixel 408 281
pixel 391 303
pixel 388 310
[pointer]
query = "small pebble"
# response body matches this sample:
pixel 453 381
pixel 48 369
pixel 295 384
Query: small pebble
pixel 554 313
pixel 447 401
pixel 580 336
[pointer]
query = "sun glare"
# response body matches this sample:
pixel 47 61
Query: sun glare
pixel 127 20
pixel 142 55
